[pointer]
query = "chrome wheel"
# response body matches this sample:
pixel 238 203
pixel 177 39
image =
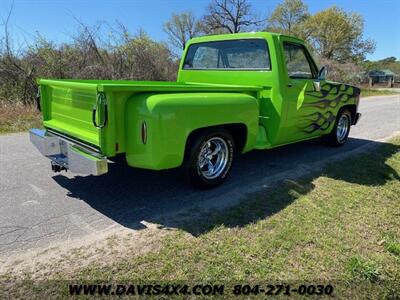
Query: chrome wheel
pixel 213 157
pixel 342 128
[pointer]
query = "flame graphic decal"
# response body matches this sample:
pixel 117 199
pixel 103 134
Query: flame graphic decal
pixel 330 96
pixel 318 121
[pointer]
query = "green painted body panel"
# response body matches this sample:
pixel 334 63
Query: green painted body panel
pixel 170 118
pixel 67 106
pixel 274 108
pixel 69 111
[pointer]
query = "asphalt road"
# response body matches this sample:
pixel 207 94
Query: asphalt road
pixel 38 207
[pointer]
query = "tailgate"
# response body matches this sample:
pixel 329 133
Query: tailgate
pixel 74 109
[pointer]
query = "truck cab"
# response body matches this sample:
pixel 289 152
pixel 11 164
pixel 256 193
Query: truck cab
pixel 294 90
pixel 234 93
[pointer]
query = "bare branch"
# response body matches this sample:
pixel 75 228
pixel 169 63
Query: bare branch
pixel 180 28
pixel 229 16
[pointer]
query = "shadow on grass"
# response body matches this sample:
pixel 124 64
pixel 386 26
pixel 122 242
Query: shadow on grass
pixel 129 196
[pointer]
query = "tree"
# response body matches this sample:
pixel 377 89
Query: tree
pixel 288 17
pixel 228 16
pixel 390 63
pixel 146 59
pixel 86 56
pixel 388 60
pixel 180 28
pixel 338 35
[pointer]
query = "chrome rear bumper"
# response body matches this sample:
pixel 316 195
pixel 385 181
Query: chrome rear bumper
pixel 67 155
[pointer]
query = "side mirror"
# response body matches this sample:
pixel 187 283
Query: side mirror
pixel 322 73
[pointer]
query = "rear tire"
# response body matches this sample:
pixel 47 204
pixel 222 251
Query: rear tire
pixel 340 132
pixel 209 158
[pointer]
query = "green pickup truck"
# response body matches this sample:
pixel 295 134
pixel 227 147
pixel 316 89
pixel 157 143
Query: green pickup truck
pixel 234 93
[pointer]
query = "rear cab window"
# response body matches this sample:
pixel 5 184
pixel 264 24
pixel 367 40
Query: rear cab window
pixel 245 54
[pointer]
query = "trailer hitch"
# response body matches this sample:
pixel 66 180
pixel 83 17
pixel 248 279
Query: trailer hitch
pixel 56 168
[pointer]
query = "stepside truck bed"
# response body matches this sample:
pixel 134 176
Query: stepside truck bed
pixel 92 111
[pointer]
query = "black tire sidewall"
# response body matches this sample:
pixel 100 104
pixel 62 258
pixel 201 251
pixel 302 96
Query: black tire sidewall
pixel 342 142
pixel 195 175
pixel 331 138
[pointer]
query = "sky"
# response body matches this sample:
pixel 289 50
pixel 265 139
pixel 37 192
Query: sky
pixel 57 19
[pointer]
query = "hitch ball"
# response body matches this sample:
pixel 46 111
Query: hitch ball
pixel 57 168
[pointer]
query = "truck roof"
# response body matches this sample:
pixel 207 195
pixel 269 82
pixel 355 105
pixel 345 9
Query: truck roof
pixel 233 36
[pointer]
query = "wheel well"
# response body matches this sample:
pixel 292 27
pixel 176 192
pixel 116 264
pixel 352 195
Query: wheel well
pixel 353 110
pixel 238 132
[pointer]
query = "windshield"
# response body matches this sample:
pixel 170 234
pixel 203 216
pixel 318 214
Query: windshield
pixel 248 54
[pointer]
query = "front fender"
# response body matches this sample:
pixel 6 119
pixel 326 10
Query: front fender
pixel 170 118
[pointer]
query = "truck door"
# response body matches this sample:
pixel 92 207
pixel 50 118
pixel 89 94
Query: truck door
pixel 305 117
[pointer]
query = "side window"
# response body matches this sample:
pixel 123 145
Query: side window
pixel 297 63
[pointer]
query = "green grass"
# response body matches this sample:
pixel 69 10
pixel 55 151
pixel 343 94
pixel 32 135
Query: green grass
pixel 18 117
pixel 368 92
pixel 392 244
pixel 363 269
pixel 340 225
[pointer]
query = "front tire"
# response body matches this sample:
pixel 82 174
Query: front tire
pixel 210 158
pixel 340 132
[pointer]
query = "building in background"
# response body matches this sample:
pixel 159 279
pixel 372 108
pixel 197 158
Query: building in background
pixel 383 76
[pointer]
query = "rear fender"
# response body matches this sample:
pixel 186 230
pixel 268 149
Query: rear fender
pixel 170 118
